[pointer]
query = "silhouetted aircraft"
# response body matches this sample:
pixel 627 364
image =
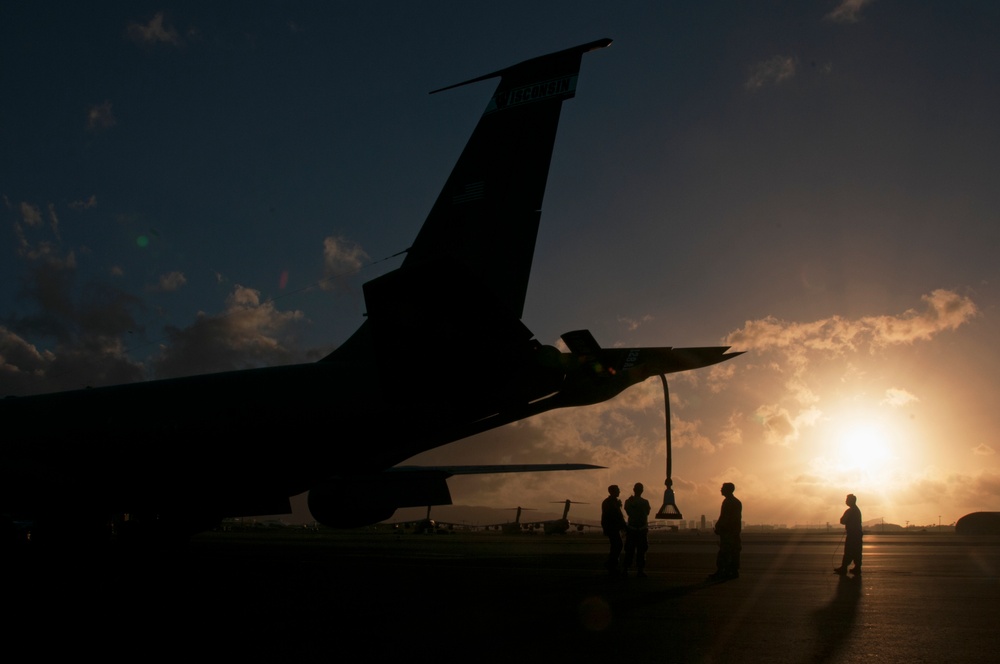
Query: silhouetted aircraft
pixel 560 526
pixel 421 526
pixel 512 527
pixel 429 525
pixel 442 355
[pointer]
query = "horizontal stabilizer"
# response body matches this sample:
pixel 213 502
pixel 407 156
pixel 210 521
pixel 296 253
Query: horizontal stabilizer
pixel 581 342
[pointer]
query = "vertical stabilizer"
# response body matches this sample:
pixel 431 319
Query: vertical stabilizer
pixel 485 220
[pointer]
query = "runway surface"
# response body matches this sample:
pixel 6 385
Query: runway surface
pixel 317 597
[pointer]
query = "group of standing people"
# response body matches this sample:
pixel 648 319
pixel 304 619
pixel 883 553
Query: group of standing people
pixel 635 527
pixel 727 527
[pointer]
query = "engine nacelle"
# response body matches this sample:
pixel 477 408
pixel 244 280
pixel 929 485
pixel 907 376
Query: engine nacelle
pixel 352 502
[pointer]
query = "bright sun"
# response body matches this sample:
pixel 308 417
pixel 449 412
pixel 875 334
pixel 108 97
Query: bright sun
pixel 864 445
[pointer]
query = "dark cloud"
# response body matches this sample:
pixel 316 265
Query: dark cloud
pixel 70 334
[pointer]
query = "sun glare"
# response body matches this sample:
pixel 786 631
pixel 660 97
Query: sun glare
pixel 863 445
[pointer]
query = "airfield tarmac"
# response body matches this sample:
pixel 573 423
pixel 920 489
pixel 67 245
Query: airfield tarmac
pixel 298 596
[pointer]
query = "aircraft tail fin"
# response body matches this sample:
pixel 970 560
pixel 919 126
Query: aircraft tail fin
pixel 466 274
pixel 485 220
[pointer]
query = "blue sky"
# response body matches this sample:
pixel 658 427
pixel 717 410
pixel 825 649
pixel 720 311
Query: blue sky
pixel 190 188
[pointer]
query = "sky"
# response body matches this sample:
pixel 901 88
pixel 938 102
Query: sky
pixel 189 187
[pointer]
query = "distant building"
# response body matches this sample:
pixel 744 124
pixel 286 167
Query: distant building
pixel 979 523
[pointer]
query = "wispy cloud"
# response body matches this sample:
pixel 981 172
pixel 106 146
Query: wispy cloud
pixel 848 11
pixel 633 324
pixel 773 71
pixel 895 396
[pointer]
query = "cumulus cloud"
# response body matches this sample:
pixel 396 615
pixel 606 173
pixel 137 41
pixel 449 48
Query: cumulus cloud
pixel 340 257
pixel 92 360
pixel 943 310
pixel 784 354
pixel 249 333
pixel 54 220
pixel 22 365
pixel 100 116
pixel 895 396
pixel 157 31
pixel 84 204
pixel 956 493
pixel 773 71
pixel 627 432
pixel 72 313
pixel 633 324
pixel 169 282
pixel 983 450
pixel 732 431
pixel 848 11
pixel 30 214
pixel 83 323
pixel 783 427
pixel 29 219
pixel 76 333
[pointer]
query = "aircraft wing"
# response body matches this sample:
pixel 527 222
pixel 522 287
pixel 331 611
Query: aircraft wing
pixel 359 500
pixel 581 526
pixel 489 469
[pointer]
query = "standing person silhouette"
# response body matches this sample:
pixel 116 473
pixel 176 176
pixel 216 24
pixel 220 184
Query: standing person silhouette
pixel 853 544
pixel 727 562
pixel 636 537
pixel 613 523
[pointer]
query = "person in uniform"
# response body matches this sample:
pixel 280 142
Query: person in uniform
pixel 852 545
pixel 613 523
pixel 727 562
pixel 637 532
